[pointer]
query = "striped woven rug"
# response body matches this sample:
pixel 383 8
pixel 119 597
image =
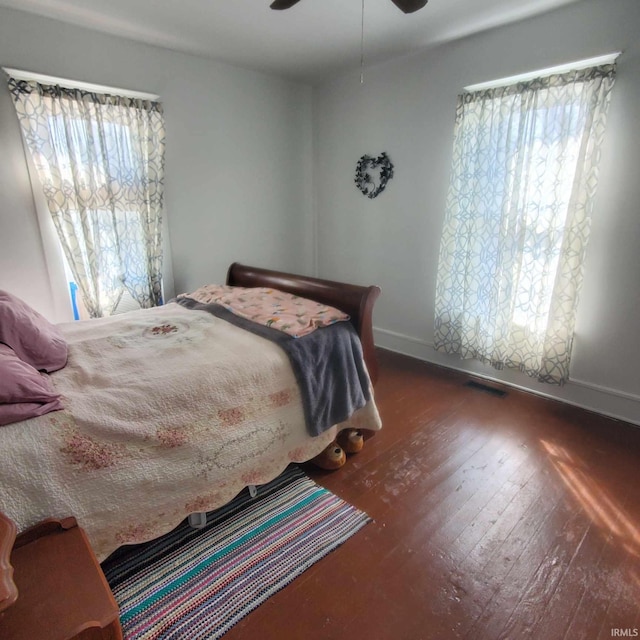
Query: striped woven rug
pixel 197 583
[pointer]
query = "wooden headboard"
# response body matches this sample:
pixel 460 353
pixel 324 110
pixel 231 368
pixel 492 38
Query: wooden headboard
pixel 355 300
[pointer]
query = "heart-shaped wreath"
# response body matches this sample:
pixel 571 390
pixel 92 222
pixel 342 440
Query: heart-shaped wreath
pixel 370 184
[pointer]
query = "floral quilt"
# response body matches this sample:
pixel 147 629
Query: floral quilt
pixel 272 308
pixel 167 411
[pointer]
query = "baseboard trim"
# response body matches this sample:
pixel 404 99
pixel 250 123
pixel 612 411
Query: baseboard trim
pixel 602 389
pixel 613 403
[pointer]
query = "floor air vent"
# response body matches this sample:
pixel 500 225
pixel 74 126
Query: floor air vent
pixel 499 393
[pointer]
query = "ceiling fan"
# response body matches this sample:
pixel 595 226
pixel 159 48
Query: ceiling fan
pixel 408 6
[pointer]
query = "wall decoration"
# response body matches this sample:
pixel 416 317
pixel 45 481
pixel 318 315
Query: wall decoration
pixel 372 174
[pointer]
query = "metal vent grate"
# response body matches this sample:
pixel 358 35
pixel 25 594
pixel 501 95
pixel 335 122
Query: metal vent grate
pixel 499 393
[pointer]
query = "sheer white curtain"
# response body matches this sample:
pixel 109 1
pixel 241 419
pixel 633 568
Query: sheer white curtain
pixel 517 222
pixel 100 161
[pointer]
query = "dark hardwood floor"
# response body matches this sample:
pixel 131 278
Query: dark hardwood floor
pixel 494 517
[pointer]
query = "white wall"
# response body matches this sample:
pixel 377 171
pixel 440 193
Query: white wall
pixel 238 159
pixel 406 108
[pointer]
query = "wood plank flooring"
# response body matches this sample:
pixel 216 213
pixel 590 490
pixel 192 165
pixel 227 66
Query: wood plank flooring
pixel 494 518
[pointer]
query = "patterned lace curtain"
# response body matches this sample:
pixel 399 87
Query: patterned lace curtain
pixel 100 161
pixel 517 222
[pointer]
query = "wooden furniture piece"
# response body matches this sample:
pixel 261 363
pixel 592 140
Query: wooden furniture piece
pixel 51 585
pixel 353 299
pixel 168 419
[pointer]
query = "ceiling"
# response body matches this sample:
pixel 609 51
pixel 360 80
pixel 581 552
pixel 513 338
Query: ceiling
pixel 313 39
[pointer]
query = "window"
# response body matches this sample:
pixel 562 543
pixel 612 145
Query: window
pixel 100 161
pixel 517 220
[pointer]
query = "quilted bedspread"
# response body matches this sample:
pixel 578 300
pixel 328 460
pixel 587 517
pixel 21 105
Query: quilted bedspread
pixel 167 411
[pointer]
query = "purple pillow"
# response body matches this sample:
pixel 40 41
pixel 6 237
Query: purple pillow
pixel 24 392
pixel 34 339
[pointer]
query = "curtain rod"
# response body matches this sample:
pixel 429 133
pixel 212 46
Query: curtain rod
pixel 74 84
pixel 608 58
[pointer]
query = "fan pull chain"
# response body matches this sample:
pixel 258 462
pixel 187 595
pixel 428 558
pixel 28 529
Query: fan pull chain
pixel 362 47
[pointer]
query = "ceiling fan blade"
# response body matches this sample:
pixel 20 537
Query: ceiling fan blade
pixel 409 6
pixel 283 4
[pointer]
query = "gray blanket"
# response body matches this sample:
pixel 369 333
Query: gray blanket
pixel 327 364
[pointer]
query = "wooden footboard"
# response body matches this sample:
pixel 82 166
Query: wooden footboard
pixel 355 300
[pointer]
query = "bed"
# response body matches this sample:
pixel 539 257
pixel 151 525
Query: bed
pixel 174 410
